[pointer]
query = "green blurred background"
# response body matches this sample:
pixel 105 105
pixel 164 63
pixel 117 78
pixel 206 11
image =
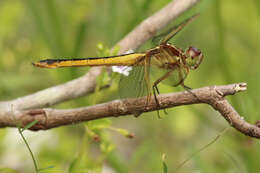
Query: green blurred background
pixel 227 32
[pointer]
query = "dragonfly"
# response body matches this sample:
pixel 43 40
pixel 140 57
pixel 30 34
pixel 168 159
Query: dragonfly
pixel 166 60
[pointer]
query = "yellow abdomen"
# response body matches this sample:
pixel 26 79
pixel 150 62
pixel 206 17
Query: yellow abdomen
pixel 124 60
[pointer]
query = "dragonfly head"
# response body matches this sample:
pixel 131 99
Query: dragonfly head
pixel 193 57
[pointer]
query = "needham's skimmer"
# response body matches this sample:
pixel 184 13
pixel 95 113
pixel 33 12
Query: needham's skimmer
pixel 170 63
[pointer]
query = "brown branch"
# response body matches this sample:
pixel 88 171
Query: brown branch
pixel 213 95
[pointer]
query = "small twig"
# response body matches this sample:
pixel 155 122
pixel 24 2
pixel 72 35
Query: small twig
pixel 20 130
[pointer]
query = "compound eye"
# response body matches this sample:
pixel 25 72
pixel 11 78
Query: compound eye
pixel 193 52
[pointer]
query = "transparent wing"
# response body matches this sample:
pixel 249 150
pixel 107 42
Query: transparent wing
pixel 133 85
pixel 166 36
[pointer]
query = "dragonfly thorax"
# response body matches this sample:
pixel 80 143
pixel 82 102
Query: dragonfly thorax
pixel 193 57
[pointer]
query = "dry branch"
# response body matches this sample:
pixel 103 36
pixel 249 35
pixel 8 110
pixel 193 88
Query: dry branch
pixel 214 96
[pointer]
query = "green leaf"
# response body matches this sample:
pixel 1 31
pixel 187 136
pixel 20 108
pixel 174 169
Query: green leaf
pixel 30 151
pixel 165 169
pixel 102 50
pixel 76 165
pixel 106 147
pixel 29 125
pixel 42 169
pixel 115 50
pixel 123 132
pixel 72 166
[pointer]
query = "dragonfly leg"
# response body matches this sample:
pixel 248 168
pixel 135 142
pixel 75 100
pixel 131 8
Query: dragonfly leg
pixel 188 89
pixel 155 89
pixel 157 102
pixel 155 98
pixel 185 86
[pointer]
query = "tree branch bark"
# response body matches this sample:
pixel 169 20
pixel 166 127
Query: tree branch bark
pixel 212 95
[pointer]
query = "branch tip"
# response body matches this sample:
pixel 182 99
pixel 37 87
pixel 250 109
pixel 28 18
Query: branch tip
pixel 240 87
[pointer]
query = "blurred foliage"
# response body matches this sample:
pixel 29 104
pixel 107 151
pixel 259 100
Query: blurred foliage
pixel 227 34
